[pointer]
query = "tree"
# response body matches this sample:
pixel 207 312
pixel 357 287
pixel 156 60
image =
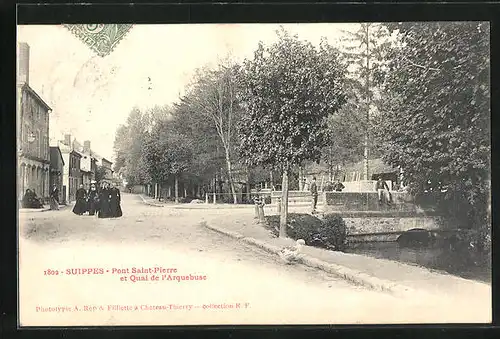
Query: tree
pixel 365 50
pixel 100 173
pixel 168 154
pixel 436 122
pixel 201 132
pixel 290 88
pixel 345 136
pixel 129 144
pixel 214 95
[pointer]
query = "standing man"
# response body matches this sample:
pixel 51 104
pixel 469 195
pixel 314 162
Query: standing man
pixel 382 190
pixel 314 192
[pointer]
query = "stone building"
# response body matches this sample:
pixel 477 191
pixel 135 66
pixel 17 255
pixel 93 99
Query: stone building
pixel 108 166
pixel 32 132
pixel 72 177
pixel 88 162
pixel 56 171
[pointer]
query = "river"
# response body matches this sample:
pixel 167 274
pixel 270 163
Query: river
pixel 463 263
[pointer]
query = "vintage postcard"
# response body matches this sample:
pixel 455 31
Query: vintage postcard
pixel 254 174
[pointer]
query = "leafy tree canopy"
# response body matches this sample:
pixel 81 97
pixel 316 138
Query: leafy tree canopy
pixel 290 88
pixel 436 121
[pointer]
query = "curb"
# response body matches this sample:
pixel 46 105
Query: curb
pixel 149 203
pixel 355 277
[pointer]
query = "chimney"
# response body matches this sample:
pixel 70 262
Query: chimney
pixel 67 139
pixel 23 63
pixel 86 146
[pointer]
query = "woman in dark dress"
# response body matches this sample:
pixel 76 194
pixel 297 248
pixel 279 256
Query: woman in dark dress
pixel 27 199
pixel 81 201
pixel 104 206
pixel 92 199
pixel 54 198
pixel 114 201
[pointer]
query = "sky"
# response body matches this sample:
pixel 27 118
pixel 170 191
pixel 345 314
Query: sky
pixel 91 96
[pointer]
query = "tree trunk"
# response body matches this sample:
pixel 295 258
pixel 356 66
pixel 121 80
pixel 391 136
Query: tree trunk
pixel 230 177
pixel 366 143
pixel 271 179
pixel 176 189
pixel 248 186
pixel 301 179
pixel 284 205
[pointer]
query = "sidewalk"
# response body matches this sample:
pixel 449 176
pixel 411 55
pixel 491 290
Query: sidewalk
pixel 150 201
pixel 377 274
pixel 44 209
pixel 270 208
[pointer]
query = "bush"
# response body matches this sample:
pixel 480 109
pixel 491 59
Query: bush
pixel 329 233
pixel 333 232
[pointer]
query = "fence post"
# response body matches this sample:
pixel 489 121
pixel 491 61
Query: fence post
pixel 261 213
pixel 256 203
pixel 214 198
pixel 278 205
pixel 206 198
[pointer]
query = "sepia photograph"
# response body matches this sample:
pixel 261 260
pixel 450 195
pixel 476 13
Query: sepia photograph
pixel 254 174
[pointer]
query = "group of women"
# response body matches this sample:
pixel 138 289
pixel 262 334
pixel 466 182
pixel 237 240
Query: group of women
pixel 103 201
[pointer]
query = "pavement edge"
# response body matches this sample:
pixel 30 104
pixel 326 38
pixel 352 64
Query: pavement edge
pixel 149 203
pixel 352 276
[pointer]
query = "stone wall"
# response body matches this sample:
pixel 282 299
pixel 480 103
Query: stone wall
pixel 367 201
pixel 367 229
pixel 295 197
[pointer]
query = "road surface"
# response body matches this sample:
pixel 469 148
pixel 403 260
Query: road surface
pixel 81 270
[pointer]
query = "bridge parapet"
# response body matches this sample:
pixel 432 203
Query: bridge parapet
pixel 368 201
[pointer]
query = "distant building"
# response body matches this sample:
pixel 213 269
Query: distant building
pixel 108 166
pixel 32 132
pixel 88 162
pixel 72 177
pixel 57 171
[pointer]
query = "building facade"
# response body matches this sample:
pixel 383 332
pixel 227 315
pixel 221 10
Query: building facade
pixel 32 132
pixel 88 162
pixel 108 167
pixel 56 171
pixel 72 175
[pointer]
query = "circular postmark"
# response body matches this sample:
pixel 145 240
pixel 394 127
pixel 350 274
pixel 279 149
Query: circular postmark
pixel 94 28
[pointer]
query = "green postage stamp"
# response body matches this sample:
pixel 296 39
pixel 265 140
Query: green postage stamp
pixel 101 38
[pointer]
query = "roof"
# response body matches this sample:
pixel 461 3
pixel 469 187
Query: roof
pixel 35 94
pixel 59 151
pixel 76 152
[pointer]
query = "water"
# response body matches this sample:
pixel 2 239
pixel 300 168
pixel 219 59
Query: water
pixel 464 263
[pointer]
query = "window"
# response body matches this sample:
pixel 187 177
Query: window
pixel 38 145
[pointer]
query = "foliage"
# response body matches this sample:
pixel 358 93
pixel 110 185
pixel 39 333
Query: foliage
pixel 345 134
pixel 100 173
pixel 366 53
pixel 300 225
pixel 436 114
pixel 333 232
pixel 289 88
pixel 129 144
pixel 329 233
pixel 198 128
pixel 213 95
pixel 167 153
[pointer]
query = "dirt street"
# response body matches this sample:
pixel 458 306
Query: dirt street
pixel 159 266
